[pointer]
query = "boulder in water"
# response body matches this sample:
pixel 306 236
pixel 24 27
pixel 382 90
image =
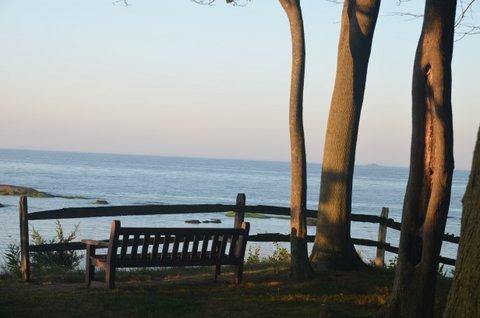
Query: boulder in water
pixel 212 221
pixel 193 221
pixel 100 202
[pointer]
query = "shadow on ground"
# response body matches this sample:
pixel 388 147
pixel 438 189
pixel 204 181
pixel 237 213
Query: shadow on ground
pixel 192 292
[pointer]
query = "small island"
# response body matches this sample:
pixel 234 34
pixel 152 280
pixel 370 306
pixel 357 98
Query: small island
pixel 8 189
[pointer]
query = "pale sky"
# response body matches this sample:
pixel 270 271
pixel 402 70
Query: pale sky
pixel 175 78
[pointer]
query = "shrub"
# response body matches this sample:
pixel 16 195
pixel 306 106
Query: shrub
pixel 280 254
pixel 55 260
pixel 441 271
pixel 253 256
pixel 44 261
pixel 392 264
pixel 12 259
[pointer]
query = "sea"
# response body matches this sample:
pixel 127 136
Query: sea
pixel 139 180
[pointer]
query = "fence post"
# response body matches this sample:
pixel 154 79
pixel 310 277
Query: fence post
pixel 24 245
pixel 382 237
pixel 240 210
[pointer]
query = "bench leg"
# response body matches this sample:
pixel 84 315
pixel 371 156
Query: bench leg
pixel 239 273
pixel 110 277
pixel 89 268
pixel 218 270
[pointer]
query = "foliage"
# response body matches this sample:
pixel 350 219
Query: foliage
pixel 55 260
pixel 252 215
pixel 44 261
pixel 392 264
pixel 253 256
pixel 442 271
pixel 280 254
pixel 12 259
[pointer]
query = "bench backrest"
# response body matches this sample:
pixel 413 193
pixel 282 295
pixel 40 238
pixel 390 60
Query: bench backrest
pixel 143 247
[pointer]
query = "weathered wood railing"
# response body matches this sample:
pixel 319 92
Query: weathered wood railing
pixel 239 208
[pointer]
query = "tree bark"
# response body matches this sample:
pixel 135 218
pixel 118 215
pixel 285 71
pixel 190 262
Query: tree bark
pixel 300 265
pixel 464 297
pixel 333 247
pixel 427 197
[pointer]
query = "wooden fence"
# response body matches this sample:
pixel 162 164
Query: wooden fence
pixel 239 208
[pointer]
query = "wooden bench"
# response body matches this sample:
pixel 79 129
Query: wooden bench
pixel 167 247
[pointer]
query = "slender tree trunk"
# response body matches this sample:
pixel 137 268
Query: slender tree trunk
pixel 333 247
pixel 464 297
pixel 427 197
pixel 300 264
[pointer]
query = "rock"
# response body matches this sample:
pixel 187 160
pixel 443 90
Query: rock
pixel 193 221
pixel 311 221
pixel 100 202
pixel 1 205
pixel 212 221
pixel 7 189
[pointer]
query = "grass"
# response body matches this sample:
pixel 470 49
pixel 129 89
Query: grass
pixel 252 215
pixel 192 292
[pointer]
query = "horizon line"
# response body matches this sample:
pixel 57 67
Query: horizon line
pixel 189 157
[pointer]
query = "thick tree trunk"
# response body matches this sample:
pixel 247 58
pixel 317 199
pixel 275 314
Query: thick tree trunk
pixel 464 297
pixel 333 247
pixel 300 264
pixel 427 197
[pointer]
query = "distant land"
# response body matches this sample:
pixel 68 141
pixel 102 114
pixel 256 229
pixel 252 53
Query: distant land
pixel 8 189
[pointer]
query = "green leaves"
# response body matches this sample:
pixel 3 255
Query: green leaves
pixel 12 259
pixel 55 260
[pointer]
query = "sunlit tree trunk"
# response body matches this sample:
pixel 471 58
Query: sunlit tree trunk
pixel 333 247
pixel 464 297
pixel 300 265
pixel 427 197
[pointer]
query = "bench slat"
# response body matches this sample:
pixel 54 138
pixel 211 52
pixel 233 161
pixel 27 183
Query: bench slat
pixel 146 241
pixel 178 231
pixel 166 243
pixel 173 263
pixel 223 246
pixel 233 244
pixel 186 243
pixel 135 246
pixel 194 254
pixel 203 255
pixel 123 250
pixel 175 247
pixel 156 244
pixel 215 246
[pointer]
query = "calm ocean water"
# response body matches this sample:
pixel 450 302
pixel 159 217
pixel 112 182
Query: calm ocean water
pixel 128 179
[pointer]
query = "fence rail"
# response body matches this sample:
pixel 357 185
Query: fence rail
pixel 239 208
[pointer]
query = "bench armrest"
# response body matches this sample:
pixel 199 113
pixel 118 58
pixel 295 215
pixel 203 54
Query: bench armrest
pixel 95 243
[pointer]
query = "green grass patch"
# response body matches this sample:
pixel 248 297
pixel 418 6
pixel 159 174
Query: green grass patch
pixel 191 292
pixel 255 215
pixel 252 215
